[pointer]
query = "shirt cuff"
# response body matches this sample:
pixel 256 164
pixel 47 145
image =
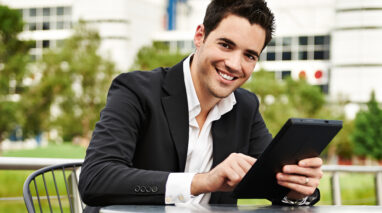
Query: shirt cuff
pixel 178 188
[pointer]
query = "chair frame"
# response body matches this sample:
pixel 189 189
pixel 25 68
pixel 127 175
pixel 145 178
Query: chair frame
pixel 28 199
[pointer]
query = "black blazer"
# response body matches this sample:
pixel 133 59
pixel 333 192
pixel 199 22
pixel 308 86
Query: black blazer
pixel 142 136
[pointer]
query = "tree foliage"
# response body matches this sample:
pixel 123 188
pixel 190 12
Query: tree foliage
pixel 367 134
pixel 13 61
pixel 72 89
pixel 156 55
pixel 282 99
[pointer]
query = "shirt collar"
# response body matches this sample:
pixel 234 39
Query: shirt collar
pixel 223 106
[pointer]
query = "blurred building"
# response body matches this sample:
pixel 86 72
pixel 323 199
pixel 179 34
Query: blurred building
pixel 332 43
pixel 124 25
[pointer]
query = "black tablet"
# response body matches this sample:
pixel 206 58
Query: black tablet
pixel 298 139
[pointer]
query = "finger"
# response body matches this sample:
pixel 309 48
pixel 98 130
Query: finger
pixel 302 180
pixel 244 164
pixel 303 171
pixel 247 158
pixel 302 189
pixel 311 162
pixel 240 162
pixel 233 178
pixel 239 167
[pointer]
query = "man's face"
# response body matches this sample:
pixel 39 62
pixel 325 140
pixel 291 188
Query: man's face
pixel 227 57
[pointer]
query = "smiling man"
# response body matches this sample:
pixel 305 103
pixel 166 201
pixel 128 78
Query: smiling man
pixel 189 134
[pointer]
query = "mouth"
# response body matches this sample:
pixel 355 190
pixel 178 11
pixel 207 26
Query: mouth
pixel 226 76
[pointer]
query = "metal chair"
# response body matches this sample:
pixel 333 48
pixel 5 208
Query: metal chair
pixel 53 185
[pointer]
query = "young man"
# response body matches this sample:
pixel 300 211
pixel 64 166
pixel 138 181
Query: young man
pixel 189 133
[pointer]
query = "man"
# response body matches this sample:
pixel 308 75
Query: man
pixel 189 133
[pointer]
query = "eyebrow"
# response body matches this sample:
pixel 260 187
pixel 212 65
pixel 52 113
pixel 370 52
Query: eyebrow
pixel 230 42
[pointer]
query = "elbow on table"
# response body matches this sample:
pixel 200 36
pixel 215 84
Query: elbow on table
pixel 88 195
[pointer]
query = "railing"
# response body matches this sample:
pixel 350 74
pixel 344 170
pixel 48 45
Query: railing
pixel 16 163
pixel 335 179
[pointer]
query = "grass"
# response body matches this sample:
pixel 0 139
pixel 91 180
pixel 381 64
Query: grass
pixel 356 189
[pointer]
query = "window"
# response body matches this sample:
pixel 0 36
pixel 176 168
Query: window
pixel 287 56
pixel 287 41
pixel 32 12
pixel 271 56
pixel 60 11
pixel 45 26
pixel 288 48
pixel 46 12
pixel 285 74
pixel 303 40
pixel 319 40
pixel 32 26
pixel 45 44
pixel 303 55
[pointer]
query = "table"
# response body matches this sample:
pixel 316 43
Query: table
pixel 194 208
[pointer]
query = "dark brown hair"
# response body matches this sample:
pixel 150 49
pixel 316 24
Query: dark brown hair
pixel 255 11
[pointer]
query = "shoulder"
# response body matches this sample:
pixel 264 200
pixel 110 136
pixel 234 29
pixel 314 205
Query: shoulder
pixel 141 79
pixel 245 98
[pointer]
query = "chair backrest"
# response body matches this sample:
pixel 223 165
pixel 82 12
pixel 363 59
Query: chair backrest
pixel 53 189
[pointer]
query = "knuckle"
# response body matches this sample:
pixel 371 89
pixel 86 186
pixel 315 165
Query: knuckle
pixel 320 174
pixel 320 161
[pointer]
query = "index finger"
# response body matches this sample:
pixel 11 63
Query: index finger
pixel 247 158
pixel 311 162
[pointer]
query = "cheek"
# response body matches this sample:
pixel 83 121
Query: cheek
pixel 248 70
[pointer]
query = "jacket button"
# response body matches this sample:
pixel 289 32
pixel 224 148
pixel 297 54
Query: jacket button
pixel 148 188
pixel 137 188
pixel 154 189
pixel 143 189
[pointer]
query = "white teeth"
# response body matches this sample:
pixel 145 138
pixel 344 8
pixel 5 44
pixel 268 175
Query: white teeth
pixel 225 76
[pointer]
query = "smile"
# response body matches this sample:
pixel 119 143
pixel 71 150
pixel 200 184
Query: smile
pixel 226 76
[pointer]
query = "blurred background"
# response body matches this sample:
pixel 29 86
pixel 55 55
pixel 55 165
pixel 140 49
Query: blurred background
pixel 58 58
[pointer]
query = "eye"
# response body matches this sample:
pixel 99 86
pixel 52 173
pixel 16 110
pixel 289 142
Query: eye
pixel 251 57
pixel 225 45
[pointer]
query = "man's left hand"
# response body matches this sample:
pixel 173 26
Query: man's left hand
pixel 302 179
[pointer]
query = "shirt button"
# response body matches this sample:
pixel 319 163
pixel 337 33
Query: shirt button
pixel 168 200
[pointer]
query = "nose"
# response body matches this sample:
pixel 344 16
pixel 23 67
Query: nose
pixel 233 63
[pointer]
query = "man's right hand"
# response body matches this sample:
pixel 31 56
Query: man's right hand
pixel 224 177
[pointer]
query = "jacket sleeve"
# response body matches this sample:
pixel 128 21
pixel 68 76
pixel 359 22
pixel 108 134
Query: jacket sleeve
pixel 108 176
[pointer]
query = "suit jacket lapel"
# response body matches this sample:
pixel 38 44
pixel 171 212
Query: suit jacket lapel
pixel 176 111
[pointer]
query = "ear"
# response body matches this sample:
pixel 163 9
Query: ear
pixel 199 36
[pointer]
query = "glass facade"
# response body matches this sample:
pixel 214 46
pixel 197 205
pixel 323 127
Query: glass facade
pixel 47 18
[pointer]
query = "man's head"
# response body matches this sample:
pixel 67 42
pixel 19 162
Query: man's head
pixel 255 11
pixel 228 46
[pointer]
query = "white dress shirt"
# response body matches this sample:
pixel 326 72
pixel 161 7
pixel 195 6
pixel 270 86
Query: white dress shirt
pixel 199 152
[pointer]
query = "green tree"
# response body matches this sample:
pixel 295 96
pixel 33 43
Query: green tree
pixel 72 89
pixel 156 55
pixel 282 99
pixel 367 134
pixel 13 62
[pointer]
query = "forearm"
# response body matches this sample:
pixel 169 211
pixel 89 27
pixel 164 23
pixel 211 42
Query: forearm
pixel 113 183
